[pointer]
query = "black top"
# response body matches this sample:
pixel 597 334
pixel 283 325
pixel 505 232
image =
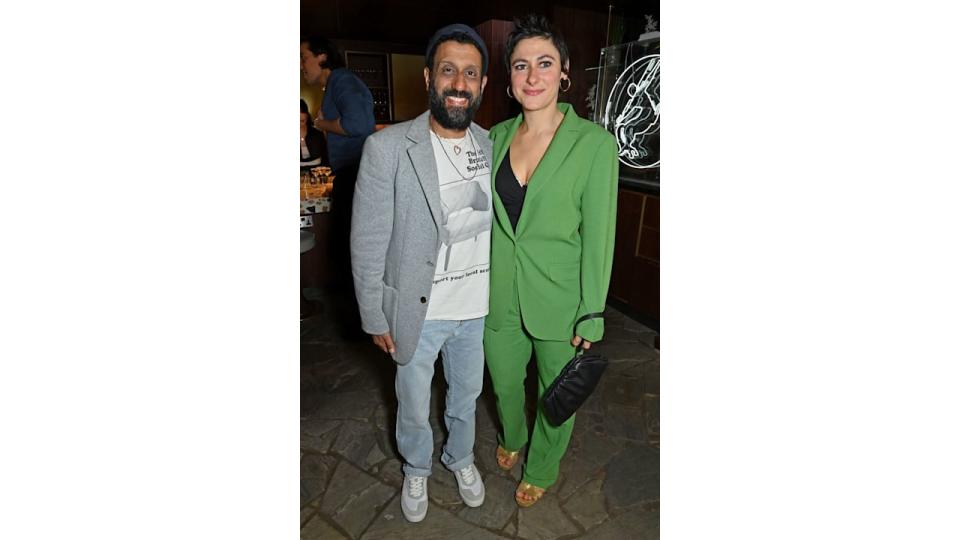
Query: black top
pixel 316 145
pixel 510 190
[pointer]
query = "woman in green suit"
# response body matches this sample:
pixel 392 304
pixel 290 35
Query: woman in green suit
pixel 555 200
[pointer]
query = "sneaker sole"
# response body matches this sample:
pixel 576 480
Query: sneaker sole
pixel 472 504
pixel 414 519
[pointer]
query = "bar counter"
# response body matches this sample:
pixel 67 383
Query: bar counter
pixel 315 206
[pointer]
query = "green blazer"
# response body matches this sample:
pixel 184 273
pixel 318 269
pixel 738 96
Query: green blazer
pixel 562 250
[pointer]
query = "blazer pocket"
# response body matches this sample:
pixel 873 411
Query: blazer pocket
pixel 565 272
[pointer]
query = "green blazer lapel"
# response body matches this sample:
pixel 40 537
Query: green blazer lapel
pixel 421 155
pixel 500 147
pixel 556 152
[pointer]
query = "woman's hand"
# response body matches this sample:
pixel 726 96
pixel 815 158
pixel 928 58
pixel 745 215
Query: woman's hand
pixel 577 340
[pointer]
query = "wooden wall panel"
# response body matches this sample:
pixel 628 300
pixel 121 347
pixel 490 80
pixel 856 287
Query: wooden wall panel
pixel 496 106
pixel 629 213
pixel 648 245
pixel 651 213
pixel 409 90
pixel 645 292
pixel 585 32
pixel 635 279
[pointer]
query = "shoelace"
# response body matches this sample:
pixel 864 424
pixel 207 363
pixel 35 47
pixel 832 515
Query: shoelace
pixel 416 486
pixel 467 475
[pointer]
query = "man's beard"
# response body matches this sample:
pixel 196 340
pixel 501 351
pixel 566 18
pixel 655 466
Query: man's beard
pixel 457 118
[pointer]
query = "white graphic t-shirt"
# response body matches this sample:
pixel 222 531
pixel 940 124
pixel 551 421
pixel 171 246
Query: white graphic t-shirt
pixel 462 282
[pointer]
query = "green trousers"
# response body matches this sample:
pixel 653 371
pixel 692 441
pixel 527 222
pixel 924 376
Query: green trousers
pixel 507 352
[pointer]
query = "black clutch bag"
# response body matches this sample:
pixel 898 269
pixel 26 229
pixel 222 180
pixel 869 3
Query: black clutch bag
pixel 575 383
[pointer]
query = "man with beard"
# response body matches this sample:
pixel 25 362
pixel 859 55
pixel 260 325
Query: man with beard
pixel 420 244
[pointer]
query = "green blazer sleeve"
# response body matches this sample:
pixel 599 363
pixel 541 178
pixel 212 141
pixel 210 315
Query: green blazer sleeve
pixel 599 210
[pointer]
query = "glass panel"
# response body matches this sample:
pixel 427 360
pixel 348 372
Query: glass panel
pixel 628 104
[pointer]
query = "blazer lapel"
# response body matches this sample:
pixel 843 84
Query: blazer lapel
pixel 499 151
pixel 421 155
pixel 550 163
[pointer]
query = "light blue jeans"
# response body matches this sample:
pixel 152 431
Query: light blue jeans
pixel 461 343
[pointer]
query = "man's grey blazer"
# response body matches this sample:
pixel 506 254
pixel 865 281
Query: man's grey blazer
pixel 394 239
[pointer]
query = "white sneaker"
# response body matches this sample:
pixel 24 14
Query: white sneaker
pixel 471 486
pixel 413 498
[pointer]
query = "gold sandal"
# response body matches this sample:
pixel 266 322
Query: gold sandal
pixel 530 491
pixel 506 460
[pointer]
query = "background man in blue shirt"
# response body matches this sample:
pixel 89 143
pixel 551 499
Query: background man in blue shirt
pixel 346 116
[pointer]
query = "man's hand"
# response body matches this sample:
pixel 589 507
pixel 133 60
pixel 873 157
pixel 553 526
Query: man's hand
pixel 385 342
pixel 329 125
pixel 577 340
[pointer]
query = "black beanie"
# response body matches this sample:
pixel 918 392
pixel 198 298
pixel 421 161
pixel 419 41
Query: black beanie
pixel 444 33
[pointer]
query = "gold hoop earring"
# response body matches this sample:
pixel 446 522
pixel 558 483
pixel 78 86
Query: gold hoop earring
pixel 569 83
pixel 509 95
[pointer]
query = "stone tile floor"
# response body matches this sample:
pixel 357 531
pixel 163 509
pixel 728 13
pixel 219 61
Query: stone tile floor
pixel 609 486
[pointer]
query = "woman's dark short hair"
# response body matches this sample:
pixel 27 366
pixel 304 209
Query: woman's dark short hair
pixel 535 26
pixel 303 107
pixel 321 45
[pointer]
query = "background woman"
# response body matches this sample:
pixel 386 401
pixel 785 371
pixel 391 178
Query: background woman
pixel 555 200
pixel 312 144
